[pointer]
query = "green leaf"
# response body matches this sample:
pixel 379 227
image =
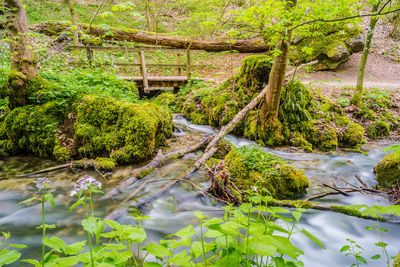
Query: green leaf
pixel 47 226
pixel 181 259
pixel 158 250
pixel 33 262
pixel 28 200
pixel 138 235
pixel 115 246
pixel 113 224
pixel 90 224
pixel 381 244
pixel 56 243
pixel 312 237
pixel 361 259
pixel 49 197
pixel 369 228
pixel 297 215
pixel 262 246
pixel 376 257
pixel 17 246
pixel 9 257
pixel 345 248
pixel 152 264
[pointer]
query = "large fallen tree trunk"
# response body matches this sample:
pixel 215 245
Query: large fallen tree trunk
pixel 243 46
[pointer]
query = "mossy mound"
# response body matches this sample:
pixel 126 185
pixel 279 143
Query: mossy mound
pixel 305 119
pixel 123 131
pixel 97 126
pixel 337 43
pixel 352 136
pixel 218 106
pixel 378 129
pixel 388 170
pixel 254 169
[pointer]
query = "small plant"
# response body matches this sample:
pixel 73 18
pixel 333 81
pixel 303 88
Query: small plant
pixel 354 250
pixel 7 253
pixel 382 245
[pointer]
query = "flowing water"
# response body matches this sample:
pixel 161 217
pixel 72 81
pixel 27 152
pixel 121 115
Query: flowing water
pixel 175 209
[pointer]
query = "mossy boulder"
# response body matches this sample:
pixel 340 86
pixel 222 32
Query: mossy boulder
pixel 378 129
pixel 352 135
pixel 253 169
pixel 388 170
pixel 337 43
pixel 95 127
pixel 223 148
pixel 121 130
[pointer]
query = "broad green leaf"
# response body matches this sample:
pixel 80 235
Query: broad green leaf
pixel 90 224
pixel 181 259
pixel 185 233
pixel 28 200
pixel 115 246
pixel 158 250
pixel 312 237
pixel 9 257
pixel 361 259
pixel 17 246
pixel 262 246
pixel 55 243
pixel 138 235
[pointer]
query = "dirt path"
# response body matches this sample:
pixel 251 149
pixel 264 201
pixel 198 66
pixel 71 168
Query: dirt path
pixel 380 73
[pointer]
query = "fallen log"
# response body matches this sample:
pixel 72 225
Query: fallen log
pixel 55 168
pixel 158 161
pixel 256 45
pixel 211 147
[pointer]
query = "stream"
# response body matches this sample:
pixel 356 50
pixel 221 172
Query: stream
pixel 175 210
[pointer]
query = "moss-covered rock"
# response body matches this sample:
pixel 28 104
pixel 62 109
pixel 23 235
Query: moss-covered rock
pixel 352 136
pixel 223 148
pixel 388 170
pixel 121 130
pixel 378 129
pixel 337 43
pixel 96 127
pixel 254 169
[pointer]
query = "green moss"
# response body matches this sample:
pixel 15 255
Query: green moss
pixel 396 262
pixel 105 164
pixel 354 212
pixel 333 38
pixel 295 203
pixel 223 148
pixel 253 168
pixel 352 136
pixel 144 173
pixel 298 140
pixel 167 99
pixel 378 129
pixel 388 170
pixel 123 131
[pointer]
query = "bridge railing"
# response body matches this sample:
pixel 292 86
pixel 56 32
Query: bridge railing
pixel 143 66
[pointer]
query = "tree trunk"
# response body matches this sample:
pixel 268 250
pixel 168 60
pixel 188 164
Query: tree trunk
pixel 242 46
pixel 71 6
pixel 277 74
pixel 23 63
pixel 361 70
pixel 150 18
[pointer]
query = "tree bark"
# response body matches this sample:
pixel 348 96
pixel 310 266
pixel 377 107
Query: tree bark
pixel 243 46
pixel 277 74
pixel 71 6
pixel 361 70
pixel 23 63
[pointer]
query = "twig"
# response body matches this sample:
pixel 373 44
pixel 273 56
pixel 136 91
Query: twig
pixel 336 189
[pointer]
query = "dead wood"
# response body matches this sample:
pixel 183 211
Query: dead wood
pixel 158 161
pixel 243 46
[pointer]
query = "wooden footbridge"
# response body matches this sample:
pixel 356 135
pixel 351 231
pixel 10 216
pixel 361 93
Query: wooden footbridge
pixel 145 82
